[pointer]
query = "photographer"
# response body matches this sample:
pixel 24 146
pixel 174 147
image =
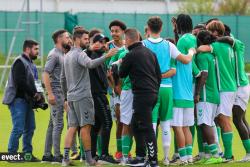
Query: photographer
pixel 20 95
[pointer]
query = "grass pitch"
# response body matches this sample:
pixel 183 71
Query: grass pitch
pixel 42 118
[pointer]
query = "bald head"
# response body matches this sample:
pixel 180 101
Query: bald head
pixel 131 36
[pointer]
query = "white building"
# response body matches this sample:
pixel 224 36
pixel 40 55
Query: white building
pixel 100 6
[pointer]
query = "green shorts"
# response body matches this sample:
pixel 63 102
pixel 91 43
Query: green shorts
pixel 164 106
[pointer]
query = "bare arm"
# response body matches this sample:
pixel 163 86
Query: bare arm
pixel 200 83
pixel 174 25
pixel 176 54
pixel 85 61
pixel 185 59
pixel 169 73
pixel 46 80
pixel 226 39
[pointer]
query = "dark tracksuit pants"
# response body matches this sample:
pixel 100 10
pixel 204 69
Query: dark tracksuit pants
pixel 103 122
pixel 142 127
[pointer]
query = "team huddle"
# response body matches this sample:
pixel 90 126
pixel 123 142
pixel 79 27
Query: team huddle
pixel 195 82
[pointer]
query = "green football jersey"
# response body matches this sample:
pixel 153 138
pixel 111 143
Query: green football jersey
pixel 210 91
pixel 114 58
pixel 126 83
pixel 225 62
pixel 172 63
pixel 241 76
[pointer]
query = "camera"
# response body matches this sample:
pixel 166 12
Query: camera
pixel 40 103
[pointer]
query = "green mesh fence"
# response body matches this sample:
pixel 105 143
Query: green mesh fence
pixel 240 26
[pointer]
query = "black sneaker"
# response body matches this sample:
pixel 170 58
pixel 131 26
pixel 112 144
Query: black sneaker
pixel 107 159
pixel 151 164
pixel 57 160
pixel 96 158
pixel 174 159
pixel 228 160
pixel 136 162
pixel 47 159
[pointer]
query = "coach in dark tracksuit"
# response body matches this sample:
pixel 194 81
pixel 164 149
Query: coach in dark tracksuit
pixel 99 87
pixel 143 69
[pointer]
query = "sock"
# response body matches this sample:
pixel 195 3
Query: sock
pixel 217 140
pixel 88 157
pixel 213 150
pixel 246 144
pixel 199 139
pixel 192 130
pixel 166 137
pixel 182 153
pixel 154 127
pixel 175 145
pixel 81 148
pixel 126 141
pixel 66 153
pixel 99 145
pixel 189 150
pixel 218 133
pixel 119 145
pixel 227 138
pixel 206 150
pixel 131 143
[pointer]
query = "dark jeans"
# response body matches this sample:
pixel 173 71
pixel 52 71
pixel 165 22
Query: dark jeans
pixel 142 126
pixel 103 122
pixel 23 121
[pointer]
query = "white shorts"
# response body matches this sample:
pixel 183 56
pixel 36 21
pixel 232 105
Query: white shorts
pixel 242 97
pixel 226 103
pixel 126 107
pixel 117 100
pixel 112 103
pixel 206 113
pixel 183 117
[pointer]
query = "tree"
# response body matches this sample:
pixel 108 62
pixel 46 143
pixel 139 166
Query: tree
pixel 215 7
pixel 196 6
pixel 240 7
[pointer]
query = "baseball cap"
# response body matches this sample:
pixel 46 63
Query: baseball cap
pixel 100 37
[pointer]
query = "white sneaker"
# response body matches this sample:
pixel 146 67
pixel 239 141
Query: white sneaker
pixel 124 161
pixel 166 162
pixel 93 163
pixel 246 158
pixel 179 163
pixel 197 158
pixel 67 163
pixel 190 160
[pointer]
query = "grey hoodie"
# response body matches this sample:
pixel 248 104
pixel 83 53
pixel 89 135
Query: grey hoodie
pixel 75 79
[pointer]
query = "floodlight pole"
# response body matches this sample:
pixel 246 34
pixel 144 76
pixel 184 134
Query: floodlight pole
pixel 12 42
pixel 28 19
pixel 41 34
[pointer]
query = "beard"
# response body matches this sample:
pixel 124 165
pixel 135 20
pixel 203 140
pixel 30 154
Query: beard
pixel 66 47
pixel 84 46
pixel 33 56
pixel 101 50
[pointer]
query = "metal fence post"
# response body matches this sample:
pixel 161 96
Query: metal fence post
pixel 237 26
